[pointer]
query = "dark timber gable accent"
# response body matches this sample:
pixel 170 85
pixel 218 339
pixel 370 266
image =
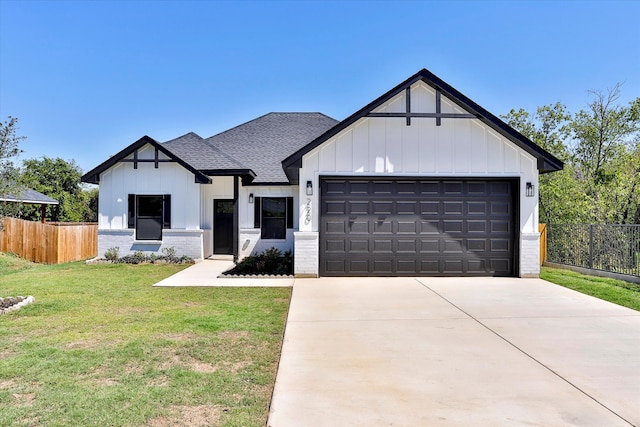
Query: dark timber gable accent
pixel 546 161
pixel 93 176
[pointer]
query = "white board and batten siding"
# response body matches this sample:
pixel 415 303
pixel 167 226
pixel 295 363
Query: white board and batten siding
pixel 169 178
pixel 459 147
pixel 250 241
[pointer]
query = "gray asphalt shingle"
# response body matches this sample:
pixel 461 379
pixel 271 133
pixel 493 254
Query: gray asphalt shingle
pixel 259 145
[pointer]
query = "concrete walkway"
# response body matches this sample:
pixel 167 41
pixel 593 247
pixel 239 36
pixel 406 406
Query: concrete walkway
pixel 206 272
pixel 453 352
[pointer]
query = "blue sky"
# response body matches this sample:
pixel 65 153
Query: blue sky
pixel 87 78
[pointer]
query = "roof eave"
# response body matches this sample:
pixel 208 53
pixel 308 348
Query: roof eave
pixel 93 176
pixel 293 163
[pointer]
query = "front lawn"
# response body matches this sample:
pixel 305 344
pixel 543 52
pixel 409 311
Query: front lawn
pixel 101 347
pixel 616 291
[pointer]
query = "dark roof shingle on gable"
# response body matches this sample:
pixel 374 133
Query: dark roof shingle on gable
pixel 261 144
pixel 196 151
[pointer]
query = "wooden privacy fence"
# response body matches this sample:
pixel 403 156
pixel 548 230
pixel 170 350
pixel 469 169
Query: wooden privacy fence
pixel 50 243
pixel 542 228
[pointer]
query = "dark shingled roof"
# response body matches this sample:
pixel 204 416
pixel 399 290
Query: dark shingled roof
pixel 29 196
pixel 261 144
pixel 200 154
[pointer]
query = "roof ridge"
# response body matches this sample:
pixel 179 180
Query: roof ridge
pixel 190 133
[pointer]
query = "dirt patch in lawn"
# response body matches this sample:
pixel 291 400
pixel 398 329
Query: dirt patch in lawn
pixel 194 416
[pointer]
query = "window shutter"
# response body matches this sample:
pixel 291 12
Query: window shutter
pixel 257 211
pixel 131 211
pixel 166 208
pixel 289 212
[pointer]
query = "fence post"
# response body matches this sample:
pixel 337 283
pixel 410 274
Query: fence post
pixel 591 246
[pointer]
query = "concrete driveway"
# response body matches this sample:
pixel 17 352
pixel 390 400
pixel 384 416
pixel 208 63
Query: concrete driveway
pixel 453 352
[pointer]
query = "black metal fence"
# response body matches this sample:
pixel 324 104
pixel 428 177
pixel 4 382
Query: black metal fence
pixel 614 248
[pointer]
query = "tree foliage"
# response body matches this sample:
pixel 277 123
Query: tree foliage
pixel 59 179
pixel 9 151
pixel 600 146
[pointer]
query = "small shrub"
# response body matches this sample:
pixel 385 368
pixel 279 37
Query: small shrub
pixel 169 253
pixel 112 254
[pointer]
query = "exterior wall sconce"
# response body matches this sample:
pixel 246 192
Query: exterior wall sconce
pixel 250 197
pixel 309 188
pixel 531 190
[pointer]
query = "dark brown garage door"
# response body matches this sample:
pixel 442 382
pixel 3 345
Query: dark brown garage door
pixel 410 227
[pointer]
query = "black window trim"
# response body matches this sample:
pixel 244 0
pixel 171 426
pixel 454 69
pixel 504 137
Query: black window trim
pixel 257 214
pixel 132 212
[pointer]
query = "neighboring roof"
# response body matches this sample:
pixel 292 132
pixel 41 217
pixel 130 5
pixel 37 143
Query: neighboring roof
pixel 29 196
pixel 546 161
pixel 93 176
pixel 262 143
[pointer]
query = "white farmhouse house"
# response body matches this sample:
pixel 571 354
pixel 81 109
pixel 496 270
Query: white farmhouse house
pixel 422 181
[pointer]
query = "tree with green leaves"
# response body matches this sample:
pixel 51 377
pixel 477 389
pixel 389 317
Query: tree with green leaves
pixel 9 151
pixel 600 146
pixel 59 179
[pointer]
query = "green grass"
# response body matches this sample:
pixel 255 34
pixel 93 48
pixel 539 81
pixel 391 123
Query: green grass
pixel 616 291
pixel 101 347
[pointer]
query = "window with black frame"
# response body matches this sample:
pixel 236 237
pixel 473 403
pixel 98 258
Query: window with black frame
pixel 273 215
pixel 149 214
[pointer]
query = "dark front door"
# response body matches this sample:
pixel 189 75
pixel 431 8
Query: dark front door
pixel 223 227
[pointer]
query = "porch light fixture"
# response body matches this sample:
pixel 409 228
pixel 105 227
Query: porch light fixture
pixel 250 197
pixel 530 190
pixel 309 188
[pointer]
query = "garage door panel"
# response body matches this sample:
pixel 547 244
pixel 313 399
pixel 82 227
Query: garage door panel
pixel 334 266
pixel 499 226
pixel 429 227
pixel 359 267
pixel 382 246
pixel 357 208
pixel 358 245
pixel 429 188
pixel 453 246
pixel 382 266
pixel 430 246
pixel 500 245
pixel 406 266
pixel 477 208
pixel 382 207
pixel 382 187
pixel 499 208
pixel 406 227
pixel 454 188
pixel 335 246
pixel 453 226
pixel 477 226
pixel 453 208
pixel 430 208
pixel 360 226
pixel 383 226
pixel 334 226
pixel 409 188
pixel 477 245
pixel 358 188
pixel 407 207
pixel 408 246
pixel 415 227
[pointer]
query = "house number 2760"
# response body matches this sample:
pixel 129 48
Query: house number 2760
pixel 307 212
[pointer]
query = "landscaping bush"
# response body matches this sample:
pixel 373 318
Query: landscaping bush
pixel 138 257
pixel 270 262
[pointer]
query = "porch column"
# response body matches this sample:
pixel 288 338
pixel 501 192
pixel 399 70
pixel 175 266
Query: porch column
pixel 235 216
